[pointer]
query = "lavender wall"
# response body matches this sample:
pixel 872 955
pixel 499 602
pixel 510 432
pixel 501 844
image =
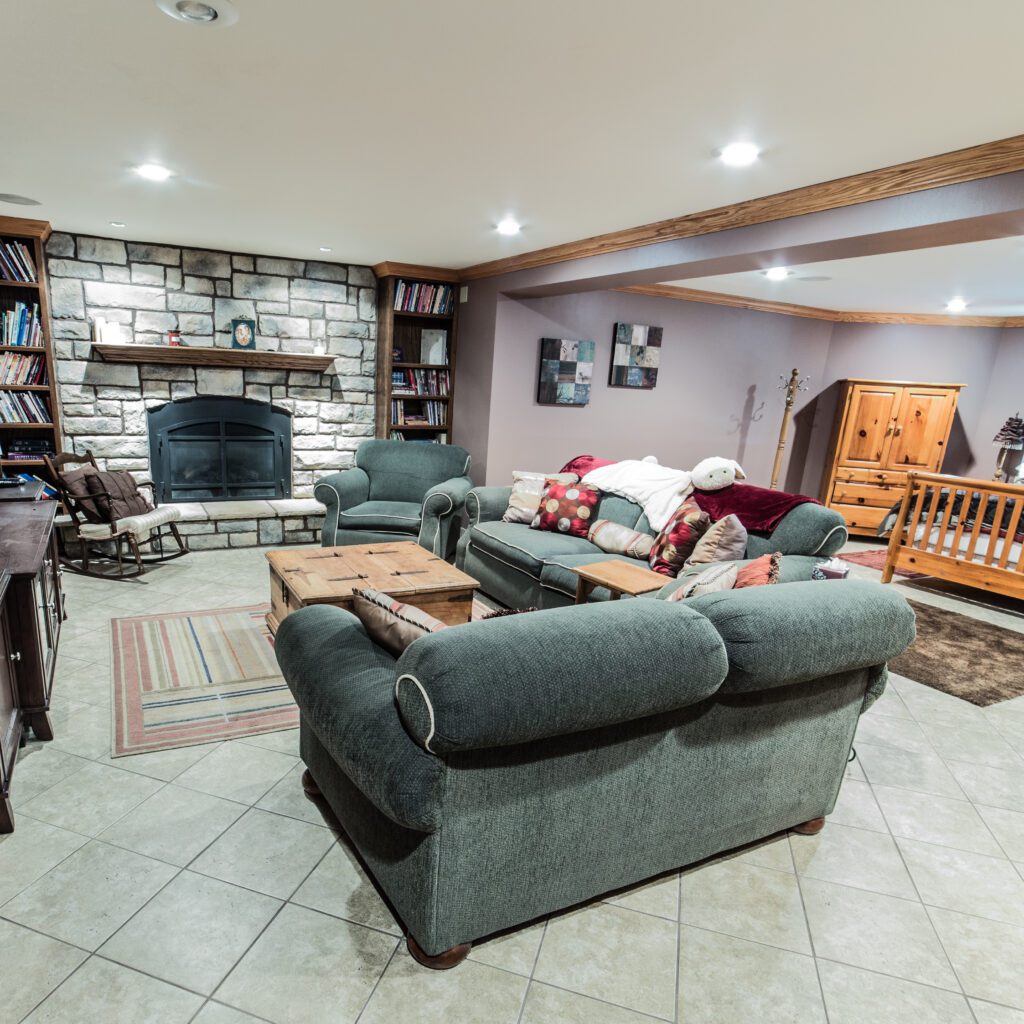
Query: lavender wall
pixel 717 391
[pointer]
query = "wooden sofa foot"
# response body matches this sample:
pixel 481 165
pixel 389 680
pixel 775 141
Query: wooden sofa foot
pixel 309 786
pixel 809 828
pixel 443 961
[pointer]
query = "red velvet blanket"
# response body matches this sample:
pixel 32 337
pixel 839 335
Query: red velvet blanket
pixel 757 508
pixel 583 464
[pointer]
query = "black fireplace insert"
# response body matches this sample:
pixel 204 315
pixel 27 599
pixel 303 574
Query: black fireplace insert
pixel 220 449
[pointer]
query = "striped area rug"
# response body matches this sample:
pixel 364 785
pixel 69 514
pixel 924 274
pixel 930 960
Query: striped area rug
pixel 195 677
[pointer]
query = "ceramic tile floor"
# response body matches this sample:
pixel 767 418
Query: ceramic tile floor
pixel 199 885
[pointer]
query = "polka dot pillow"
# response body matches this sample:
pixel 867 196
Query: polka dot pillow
pixel 566 508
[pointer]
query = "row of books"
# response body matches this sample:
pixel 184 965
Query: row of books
pixel 426 413
pixel 16 368
pixel 16 262
pixel 28 449
pixel 420 382
pixel 20 325
pixel 23 407
pixel 49 492
pixel 397 435
pixel 412 297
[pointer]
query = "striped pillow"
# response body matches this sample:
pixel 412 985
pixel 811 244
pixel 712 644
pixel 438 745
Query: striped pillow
pixel 617 539
pixel 389 623
pixel 710 581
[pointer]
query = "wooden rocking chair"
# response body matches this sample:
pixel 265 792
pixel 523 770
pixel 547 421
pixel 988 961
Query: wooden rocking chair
pixel 92 527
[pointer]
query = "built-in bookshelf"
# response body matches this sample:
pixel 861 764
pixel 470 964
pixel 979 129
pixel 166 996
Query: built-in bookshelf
pixel 416 334
pixel 29 406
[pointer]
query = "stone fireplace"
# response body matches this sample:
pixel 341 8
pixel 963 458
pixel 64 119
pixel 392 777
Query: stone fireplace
pixel 220 449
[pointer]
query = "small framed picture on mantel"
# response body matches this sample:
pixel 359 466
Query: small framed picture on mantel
pixel 243 334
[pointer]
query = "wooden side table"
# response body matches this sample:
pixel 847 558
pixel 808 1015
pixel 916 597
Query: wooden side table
pixel 619 577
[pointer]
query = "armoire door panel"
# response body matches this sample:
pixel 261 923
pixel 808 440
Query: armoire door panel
pixel 922 427
pixel 869 426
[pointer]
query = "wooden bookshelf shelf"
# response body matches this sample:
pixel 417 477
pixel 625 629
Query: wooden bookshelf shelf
pixel 402 342
pixel 33 235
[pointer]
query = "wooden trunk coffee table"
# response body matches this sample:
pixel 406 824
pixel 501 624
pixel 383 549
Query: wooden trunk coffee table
pixel 619 577
pixel 402 570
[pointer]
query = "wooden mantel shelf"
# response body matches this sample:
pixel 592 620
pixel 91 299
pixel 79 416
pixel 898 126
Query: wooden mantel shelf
pixel 184 355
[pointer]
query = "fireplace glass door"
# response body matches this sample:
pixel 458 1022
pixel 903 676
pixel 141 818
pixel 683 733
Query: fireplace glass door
pixel 220 449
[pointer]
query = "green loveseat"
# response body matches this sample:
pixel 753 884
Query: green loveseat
pixel 502 770
pixel 526 568
pixel 398 490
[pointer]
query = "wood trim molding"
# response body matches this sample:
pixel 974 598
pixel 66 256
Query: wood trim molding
pixel 189 355
pixel 25 227
pixel 390 268
pixel 838 316
pixel 984 161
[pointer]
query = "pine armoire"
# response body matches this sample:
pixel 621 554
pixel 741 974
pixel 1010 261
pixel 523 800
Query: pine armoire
pixel 884 429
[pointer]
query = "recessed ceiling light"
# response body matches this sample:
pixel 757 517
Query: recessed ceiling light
pixel 193 12
pixel 508 226
pixel 777 273
pixel 326 248
pixel 739 154
pixel 12 197
pixel 152 172
pixel 956 304
pixel 117 223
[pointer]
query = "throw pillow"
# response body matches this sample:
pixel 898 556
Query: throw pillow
pixel 116 495
pixel 526 491
pixel 710 581
pixel 74 482
pixel 389 623
pixel 617 539
pixel 500 613
pixel 674 545
pixel 566 508
pixel 760 571
pixel 724 541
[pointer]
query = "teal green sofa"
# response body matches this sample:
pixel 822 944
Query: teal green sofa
pixel 502 770
pixel 524 568
pixel 398 490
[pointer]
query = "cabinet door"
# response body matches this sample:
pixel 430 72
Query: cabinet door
pixel 9 731
pixel 922 426
pixel 870 421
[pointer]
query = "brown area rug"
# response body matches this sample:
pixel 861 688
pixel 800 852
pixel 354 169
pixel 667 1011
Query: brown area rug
pixel 875 559
pixel 970 659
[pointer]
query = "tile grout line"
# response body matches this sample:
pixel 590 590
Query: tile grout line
pixel 807 925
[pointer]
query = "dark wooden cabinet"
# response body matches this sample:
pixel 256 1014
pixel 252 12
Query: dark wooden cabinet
pixel 30 624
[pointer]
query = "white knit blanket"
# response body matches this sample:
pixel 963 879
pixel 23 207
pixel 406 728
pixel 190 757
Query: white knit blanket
pixel 658 490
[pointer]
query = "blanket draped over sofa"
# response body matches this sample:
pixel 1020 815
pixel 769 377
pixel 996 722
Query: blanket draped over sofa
pixel 757 508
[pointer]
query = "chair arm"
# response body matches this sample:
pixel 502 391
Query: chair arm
pixel 513 680
pixel 442 505
pixel 338 492
pixel 487 504
pixel 809 529
pixel 343 684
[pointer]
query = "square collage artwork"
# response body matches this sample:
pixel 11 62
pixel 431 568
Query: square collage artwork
pixel 636 356
pixel 566 370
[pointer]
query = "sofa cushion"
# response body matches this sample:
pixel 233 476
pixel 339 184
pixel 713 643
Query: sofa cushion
pixel 527 549
pixel 762 571
pixel 712 580
pixel 527 489
pixel 566 508
pixel 623 511
pixel 620 540
pixel 676 542
pixel 400 516
pixel 724 541
pixel 494 684
pixel 557 572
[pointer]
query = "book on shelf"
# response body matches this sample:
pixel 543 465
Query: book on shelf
pixel 420 382
pixel 20 326
pixel 49 491
pixel 16 263
pixel 419 412
pixel 417 297
pixel 16 368
pixel 23 407
pixel 28 449
pixel 397 435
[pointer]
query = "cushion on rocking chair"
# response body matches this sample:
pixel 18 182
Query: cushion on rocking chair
pixel 75 482
pixel 139 525
pixel 116 495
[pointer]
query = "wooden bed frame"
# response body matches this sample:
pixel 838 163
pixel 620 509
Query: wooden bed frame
pixel 998 570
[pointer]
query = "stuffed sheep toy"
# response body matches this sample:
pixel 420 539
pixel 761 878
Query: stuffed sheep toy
pixel 715 473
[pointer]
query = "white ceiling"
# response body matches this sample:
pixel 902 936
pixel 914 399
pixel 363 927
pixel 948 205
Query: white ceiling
pixel 404 130
pixel 989 276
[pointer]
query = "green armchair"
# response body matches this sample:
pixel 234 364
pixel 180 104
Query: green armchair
pixel 398 490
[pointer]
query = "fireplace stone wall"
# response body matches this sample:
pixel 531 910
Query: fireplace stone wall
pixel 151 289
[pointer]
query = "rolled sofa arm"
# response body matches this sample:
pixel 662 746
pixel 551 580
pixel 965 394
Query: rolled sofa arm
pixel 338 492
pixel 487 504
pixel 794 632
pixel 442 504
pixel 515 679
pixel 808 529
